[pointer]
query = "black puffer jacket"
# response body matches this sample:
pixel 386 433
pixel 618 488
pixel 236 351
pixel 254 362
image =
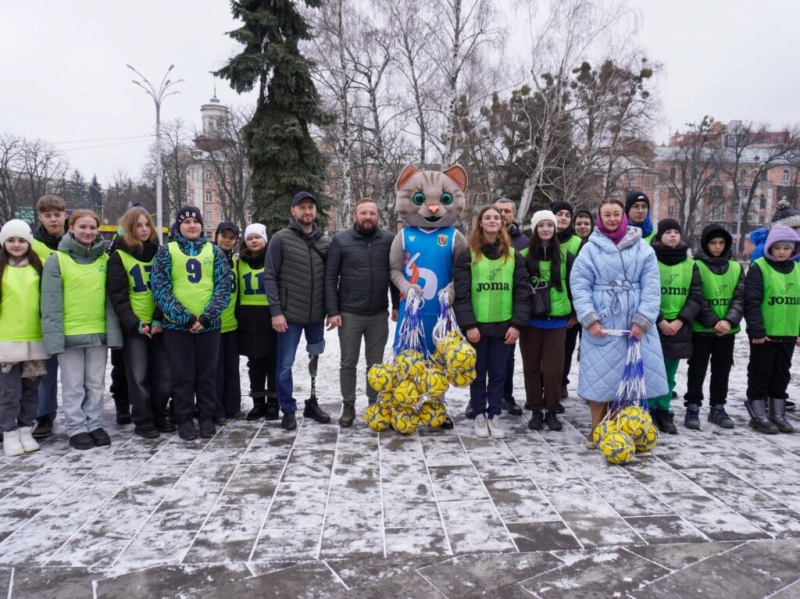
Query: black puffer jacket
pixel 118 284
pixel 256 336
pixel 357 273
pixel 462 277
pixel 294 274
pixel 719 266
pixel 679 347
pixel 518 239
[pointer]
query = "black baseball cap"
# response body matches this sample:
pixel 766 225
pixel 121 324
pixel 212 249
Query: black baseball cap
pixel 303 195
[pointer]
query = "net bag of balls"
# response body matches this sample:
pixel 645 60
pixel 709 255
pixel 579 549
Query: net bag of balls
pixel 627 427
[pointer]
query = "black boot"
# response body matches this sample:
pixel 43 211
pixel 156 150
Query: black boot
pixel 447 424
pixel 348 415
pixel 123 410
pixel 289 421
pixel 777 415
pixel 313 411
pixel 259 410
pixel 273 408
pixel 758 417
pixel 510 406
pixel 667 425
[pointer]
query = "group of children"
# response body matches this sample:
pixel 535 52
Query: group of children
pixel 173 310
pixel 183 312
pixel 703 300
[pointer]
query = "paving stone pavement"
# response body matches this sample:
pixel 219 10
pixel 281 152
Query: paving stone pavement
pixel 329 512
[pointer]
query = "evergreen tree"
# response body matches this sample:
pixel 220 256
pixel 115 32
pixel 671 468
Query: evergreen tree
pixel 95 196
pixel 283 157
pixel 75 191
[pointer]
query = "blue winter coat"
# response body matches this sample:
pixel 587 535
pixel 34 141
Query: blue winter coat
pixel 758 238
pixel 618 286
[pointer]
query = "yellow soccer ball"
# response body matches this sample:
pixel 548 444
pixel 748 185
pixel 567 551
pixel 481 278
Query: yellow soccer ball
pixel 434 382
pixel 378 417
pixel 432 413
pixel 647 440
pixel 460 378
pixel 618 448
pixel 601 430
pixel 461 357
pixel 632 421
pixel 405 420
pixel 387 399
pixel 452 338
pixel 381 377
pixel 406 393
pixel 411 363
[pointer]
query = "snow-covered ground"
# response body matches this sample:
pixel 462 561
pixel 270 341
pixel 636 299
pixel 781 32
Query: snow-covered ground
pixel 257 494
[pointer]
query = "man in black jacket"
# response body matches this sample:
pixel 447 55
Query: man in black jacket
pixel 293 277
pixel 356 298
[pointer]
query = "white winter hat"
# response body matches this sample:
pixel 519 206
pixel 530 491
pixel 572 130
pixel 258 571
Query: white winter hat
pixel 256 228
pixel 543 215
pixel 16 228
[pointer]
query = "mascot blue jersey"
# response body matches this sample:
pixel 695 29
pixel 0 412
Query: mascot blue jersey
pixel 428 262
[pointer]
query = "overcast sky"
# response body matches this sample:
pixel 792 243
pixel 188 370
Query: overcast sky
pixel 64 78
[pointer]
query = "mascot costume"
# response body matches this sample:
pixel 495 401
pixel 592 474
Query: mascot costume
pixel 422 254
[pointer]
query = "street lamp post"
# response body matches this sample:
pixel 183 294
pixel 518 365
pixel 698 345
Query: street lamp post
pixel 159 95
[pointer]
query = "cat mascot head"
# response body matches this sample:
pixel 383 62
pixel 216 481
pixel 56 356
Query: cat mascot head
pixel 431 199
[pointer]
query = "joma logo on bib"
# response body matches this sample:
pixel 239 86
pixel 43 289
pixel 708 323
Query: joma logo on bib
pixel 784 301
pixel 493 287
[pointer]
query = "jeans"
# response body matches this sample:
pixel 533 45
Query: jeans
pixel 19 399
pixel 287 348
pixel 83 372
pixel 492 360
pixel 375 331
pixel 48 390
pixel 148 374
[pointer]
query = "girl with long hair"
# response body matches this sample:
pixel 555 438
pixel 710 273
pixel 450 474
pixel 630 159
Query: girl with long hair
pixel 491 307
pixel 143 351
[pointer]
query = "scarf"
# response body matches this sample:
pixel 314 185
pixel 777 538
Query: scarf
pixel 617 235
pixel 646 225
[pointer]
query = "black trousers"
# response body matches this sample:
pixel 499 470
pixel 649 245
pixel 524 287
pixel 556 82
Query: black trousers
pixel 508 386
pixel 769 370
pixel 229 392
pixel 119 380
pixel 149 379
pixel 720 351
pixel 193 359
pixel 569 348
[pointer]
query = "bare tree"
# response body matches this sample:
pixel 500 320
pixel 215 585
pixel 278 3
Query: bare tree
pixel 176 158
pixel 224 151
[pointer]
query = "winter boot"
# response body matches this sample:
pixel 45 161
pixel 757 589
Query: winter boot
pixel 123 410
pixel 447 425
pixel 552 422
pixel 758 416
pixel 348 415
pixel 667 425
pixel 186 429
pixel 11 443
pixel 259 410
pixel 717 415
pixel 510 406
pixel 44 427
pixel 273 408
pixel 29 444
pixel 469 412
pixel 289 421
pixel 777 415
pixel 313 411
pixel 692 419
pixel 537 421
pixel 207 427
pixel 655 416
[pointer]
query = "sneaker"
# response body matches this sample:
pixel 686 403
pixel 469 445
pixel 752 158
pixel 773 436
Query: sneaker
pixel 481 427
pixel 44 428
pixel 552 422
pixel 186 429
pixel 510 406
pixel 348 415
pixel 447 425
pixel 717 415
pixel 313 411
pixel 536 421
pixel 289 421
pixel 273 409
pixel 81 441
pixel 148 431
pixel 258 411
pixel 496 428
pixel 692 419
pixel 164 426
pixel 207 428
pixel 100 437
pixel 12 446
pixel 469 412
